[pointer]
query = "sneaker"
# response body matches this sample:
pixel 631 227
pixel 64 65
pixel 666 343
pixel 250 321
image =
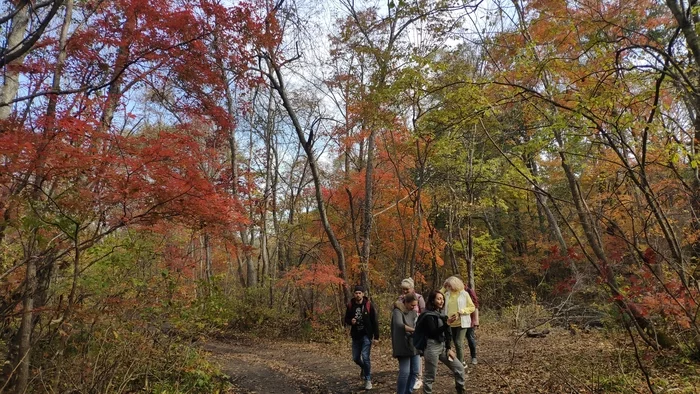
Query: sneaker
pixel 418 385
pixel 368 385
pixel 474 361
pixel 464 364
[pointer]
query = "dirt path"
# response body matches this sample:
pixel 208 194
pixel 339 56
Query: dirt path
pixel 508 363
pixel 291 368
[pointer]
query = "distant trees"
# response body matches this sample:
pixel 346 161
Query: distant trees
pixel 603 105
pixel 80 160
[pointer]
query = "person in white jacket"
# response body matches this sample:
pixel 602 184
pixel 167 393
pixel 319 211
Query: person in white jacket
pixel 458 303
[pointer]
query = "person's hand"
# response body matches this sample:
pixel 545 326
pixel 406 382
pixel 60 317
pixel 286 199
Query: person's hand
pixel 375 341
pixel 452 319
pixel 451 355
pixel 353 321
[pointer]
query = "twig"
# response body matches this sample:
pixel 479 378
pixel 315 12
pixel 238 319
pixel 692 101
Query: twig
pixel 639 360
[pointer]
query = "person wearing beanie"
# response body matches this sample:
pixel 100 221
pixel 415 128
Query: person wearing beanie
pixel 361 316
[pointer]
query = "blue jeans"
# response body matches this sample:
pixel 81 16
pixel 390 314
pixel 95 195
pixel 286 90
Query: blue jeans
pixel 471 341
pixel 360 355
pixel 408 371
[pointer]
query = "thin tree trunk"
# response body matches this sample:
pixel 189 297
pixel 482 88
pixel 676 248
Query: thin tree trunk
pixel 542 205
pixel 367 217
pixel 60 60
pixel 10 87
pixel 450 239
pixel 114 92
pixel 416 225
pixel 277 83
pixel 26 327
pixel 268 132
pixel 208 270
pixel 595 242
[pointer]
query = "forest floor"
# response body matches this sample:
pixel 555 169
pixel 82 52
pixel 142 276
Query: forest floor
pixel 561 362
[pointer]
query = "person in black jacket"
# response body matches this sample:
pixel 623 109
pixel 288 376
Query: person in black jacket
pixel 437 330
pixel 364 331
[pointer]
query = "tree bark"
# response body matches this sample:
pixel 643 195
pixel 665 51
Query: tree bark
pixel 114 92
pixel 60 60
pixel 595 242
pixel 20 21
pixel 23 361
pixel 277 82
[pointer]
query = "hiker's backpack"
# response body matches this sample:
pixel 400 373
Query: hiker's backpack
pixel 420 340
pixel 367 306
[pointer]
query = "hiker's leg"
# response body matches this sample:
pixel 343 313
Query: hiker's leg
pixel 458 334
pixel 471 341
pixel 402 386
pixel 357 354
pixel 415 368
pixel 456 367
pixel 430 354
pixel 366 364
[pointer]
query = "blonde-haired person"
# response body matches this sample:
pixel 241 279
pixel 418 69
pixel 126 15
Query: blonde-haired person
pixel 408 287
pixel 458 303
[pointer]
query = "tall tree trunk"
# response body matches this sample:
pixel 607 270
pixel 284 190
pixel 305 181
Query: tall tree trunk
pixel 451 216
pixel 60 60
pixel 470 202
pixel 114 92
pixel 208 271
pixel 542 205
pixel 415 232
pixel 277 82
pixel 245 246
pixel 10 86
pixel 269 130
pixel 23 361
pixel 277 254
pixel 601 262
pixel 368 203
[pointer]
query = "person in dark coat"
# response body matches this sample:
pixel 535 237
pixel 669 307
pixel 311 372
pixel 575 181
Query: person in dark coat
pixel 361 316
pixel 436 327
pixel 403 323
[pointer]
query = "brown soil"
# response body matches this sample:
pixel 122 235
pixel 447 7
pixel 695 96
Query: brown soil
pixel 562 362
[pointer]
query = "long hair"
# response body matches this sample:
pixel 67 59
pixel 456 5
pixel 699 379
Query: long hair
pixel 430 302
pixel 455 283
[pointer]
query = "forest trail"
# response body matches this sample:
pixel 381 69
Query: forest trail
pixel 507 364
pixel 292 367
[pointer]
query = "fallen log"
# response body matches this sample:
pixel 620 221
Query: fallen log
pixel 537 334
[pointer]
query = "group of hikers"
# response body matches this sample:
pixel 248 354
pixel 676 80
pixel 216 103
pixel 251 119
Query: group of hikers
pixel 434 329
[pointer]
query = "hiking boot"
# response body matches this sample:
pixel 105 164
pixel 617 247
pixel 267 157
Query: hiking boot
pixel 419 384
pixel 460 389
pixel 368 385
pixel 474 362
